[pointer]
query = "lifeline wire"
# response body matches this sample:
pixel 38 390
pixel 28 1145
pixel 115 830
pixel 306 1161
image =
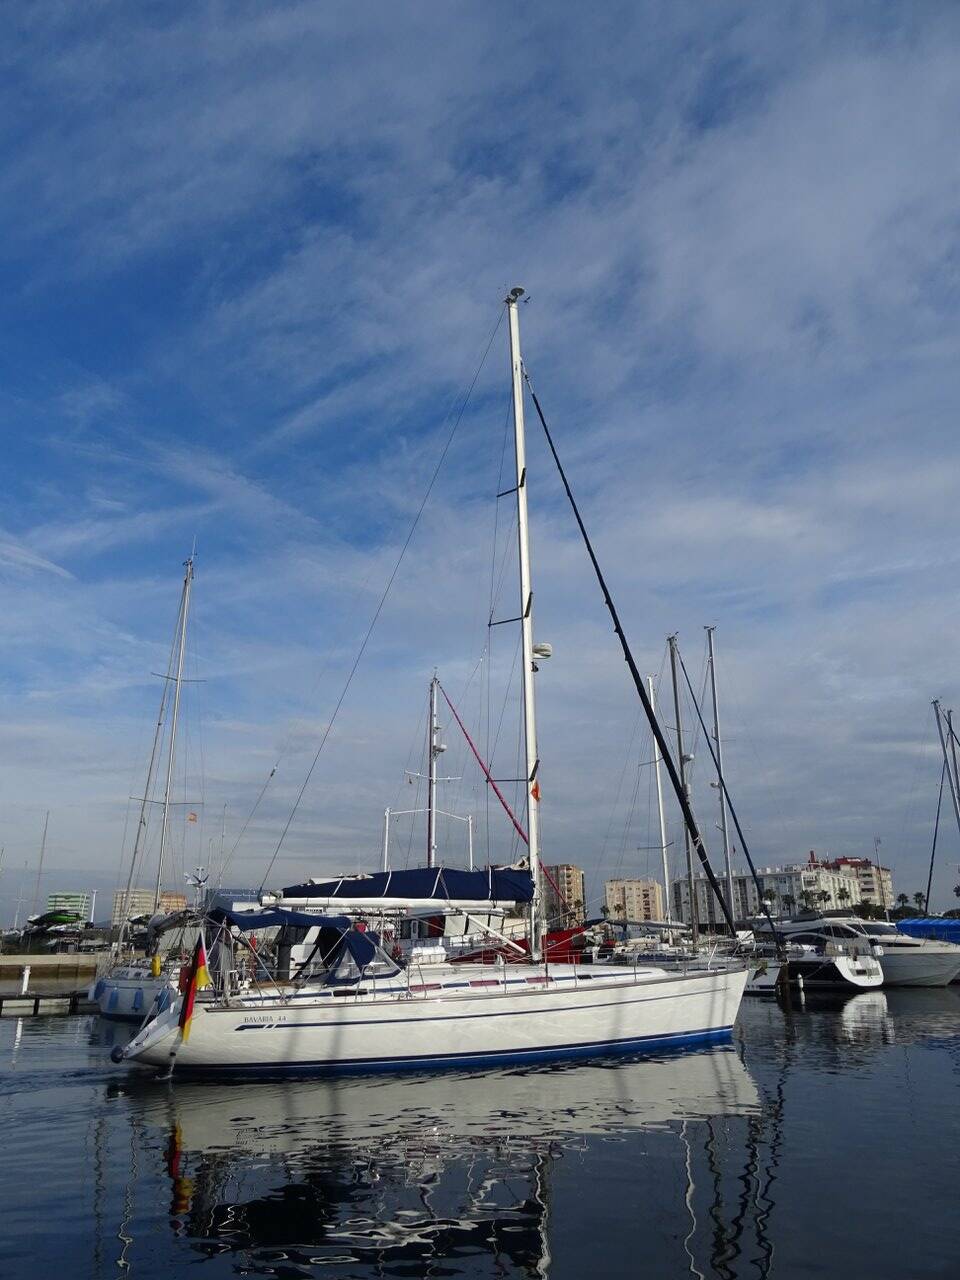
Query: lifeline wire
pixel 383 600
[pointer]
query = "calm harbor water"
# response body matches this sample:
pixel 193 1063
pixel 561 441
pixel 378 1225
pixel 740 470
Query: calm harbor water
pixel 824 1142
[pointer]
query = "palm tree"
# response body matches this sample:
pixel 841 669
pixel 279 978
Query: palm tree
pixel 789 901
pixel 823 897
pixel 902 900
pixel 919 899
pixel 843 894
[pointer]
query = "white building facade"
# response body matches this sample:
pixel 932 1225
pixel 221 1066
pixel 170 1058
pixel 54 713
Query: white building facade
pixel 786 890
pixel 876 883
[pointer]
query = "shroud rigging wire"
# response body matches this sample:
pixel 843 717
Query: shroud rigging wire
pixel 688 815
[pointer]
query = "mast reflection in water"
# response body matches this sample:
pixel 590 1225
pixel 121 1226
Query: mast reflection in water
pixel 450 1172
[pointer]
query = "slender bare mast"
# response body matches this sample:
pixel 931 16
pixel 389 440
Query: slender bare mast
pixel 181 648
pixel 682 761
pixel 951 773
pixel 526 627
pixel 720 785
pixel 663 825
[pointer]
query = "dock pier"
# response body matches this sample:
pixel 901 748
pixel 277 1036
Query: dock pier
pixel 34 984
pixel 27 1004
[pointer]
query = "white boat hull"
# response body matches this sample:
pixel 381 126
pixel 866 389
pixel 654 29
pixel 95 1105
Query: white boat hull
pixel 570 1017
pixel 816 973
pixel 127 994
pixel 763 978
pixel 924 964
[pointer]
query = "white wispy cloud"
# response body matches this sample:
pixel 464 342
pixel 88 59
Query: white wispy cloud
pixel 14 555
pixel 264 256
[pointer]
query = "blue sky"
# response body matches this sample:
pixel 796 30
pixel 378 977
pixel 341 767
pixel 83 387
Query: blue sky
pixel 250 257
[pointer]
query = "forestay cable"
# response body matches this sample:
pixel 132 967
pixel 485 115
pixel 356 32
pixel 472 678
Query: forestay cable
pixel 383 599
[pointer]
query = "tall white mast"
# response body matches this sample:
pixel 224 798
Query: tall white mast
pixel 663 824
pixel 526 627
pixel 720 780
pixel 181 647
pixel 434 749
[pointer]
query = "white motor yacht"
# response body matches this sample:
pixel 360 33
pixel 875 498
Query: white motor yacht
pixel 819 955
pixel 906 961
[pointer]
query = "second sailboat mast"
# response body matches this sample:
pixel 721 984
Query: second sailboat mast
pixel 184 610
pixel 721 785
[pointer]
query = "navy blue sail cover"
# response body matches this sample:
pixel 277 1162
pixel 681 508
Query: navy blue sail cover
pixel 270 917
pixel 494 884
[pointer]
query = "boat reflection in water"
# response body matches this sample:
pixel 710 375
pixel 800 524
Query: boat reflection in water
pixel 453 1171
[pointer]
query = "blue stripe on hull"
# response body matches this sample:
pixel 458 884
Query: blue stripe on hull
pixel 354 1066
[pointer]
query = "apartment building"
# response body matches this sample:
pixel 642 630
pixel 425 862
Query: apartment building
pixel 633 900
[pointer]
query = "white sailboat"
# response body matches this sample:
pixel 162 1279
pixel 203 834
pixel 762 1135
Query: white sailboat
pixel 366 1012
pixel 127 991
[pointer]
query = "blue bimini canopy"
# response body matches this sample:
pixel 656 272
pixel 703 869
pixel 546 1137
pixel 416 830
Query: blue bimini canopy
pixel 272 917
pixel 422 885
pixel 943 928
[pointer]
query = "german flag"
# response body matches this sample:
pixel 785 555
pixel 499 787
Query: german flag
pixel 197 980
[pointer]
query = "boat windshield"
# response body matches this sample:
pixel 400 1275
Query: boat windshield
pixel 843 931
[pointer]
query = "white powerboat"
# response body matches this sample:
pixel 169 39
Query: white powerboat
pixel 906 961
pixel 903 961
pixel 818 957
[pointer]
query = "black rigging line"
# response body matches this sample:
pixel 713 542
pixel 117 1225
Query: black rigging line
pixel 383 598
pixel 733 813
pixel 682 799
pixel 936 828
